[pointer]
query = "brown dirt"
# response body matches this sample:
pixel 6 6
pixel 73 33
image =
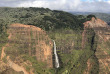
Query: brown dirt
pixel 3 53
pixel 84 36
pixel 95 23
pixel 15 66
pixel 89 66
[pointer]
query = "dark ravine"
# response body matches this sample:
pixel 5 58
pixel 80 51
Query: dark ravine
pixel 89 37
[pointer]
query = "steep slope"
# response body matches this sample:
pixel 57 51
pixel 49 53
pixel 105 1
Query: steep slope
pixel 72 56
pixel 27 47
pixel 102 30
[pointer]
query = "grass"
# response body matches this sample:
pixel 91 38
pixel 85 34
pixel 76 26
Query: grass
pixel 73 58
pixel 75 62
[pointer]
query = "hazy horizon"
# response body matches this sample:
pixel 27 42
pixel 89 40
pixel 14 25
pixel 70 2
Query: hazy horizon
pixel 102 6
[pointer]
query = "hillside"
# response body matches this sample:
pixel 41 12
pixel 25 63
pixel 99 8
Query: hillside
pixel 24 47
pixel 79 41
pixel 40 17
pixel 102 30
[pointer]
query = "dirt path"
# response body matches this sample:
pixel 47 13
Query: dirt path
pixel 3 53
pixel 3 48
pixel 15 66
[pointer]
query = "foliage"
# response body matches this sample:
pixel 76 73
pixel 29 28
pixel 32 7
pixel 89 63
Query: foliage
pixel 42 17
pixel 3 34
pixel 95 65
pixel 103 16
pixel 90 16
pixel 73 59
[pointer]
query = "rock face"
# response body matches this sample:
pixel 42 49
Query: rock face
pixel 95 22
pixel 38 42
pixel 100 27
pixel 27 40
pixel 102 30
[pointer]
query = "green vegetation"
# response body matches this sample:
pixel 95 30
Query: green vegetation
pixel 73 59
pixel 103 16
pixel 38 66
pixel 66 29
pixel 3 34
pixel 95 65
pixel 90 16
pixel 11 71
pixel 41 17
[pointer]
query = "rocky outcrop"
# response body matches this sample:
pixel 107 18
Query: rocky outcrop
pixel 8 63
pixel 100 27
pixel 27 40
pixel 95 22
pixel 38 42
pixel 102 30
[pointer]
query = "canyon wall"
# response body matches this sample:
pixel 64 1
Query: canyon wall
pixel 25 46
pixel 102 31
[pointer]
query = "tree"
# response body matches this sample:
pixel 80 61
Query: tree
pixel 90 16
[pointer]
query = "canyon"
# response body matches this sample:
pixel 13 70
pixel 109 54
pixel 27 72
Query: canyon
pixel 52 42
pixel 35 43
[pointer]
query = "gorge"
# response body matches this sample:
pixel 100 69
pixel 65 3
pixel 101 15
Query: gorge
pixel 52 42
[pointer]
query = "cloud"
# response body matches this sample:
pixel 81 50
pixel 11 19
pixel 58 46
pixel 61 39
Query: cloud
pixel 11 3
pixel 108 1
pixel 71 5
pixel 55 4
pixel 66 5
pixel 99 6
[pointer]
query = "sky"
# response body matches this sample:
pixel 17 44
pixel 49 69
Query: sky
pixel 65 5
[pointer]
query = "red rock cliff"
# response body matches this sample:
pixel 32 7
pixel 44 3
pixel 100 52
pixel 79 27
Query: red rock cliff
pixel 33 39
pixel 102 30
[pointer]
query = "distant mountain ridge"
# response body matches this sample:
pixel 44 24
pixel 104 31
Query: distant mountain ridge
pixel 103 16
